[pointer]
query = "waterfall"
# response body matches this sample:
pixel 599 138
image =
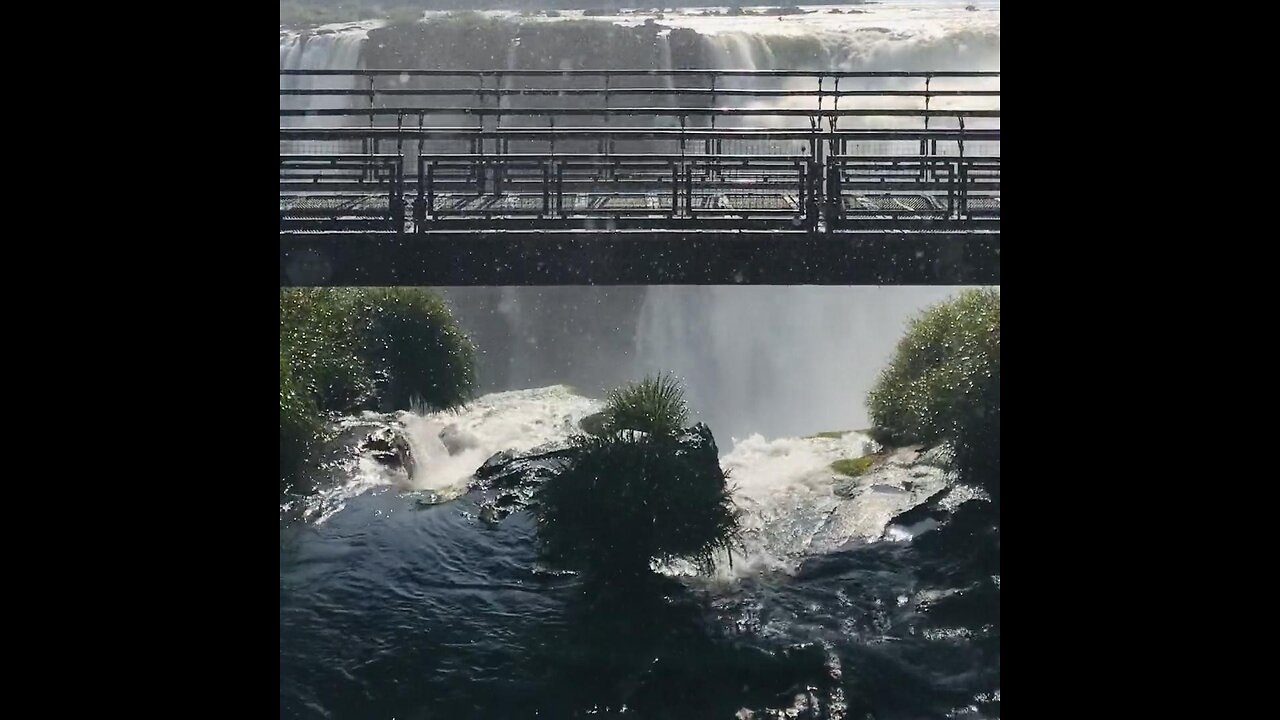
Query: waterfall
pixel 776 360
pixel 762 359
pixel 331 50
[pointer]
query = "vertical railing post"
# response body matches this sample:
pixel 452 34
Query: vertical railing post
pixel 400 133
pixel 559 188
pixel 610 143
pixel 964 172
pixel 688 188
pixel 675 189
pixel 420 202
pixel 393 199
pixel 602 146
pixel 431 191
pixel 483 95
pixel 419 210
pixel 834 201
pixel 481 170
pixel 546 189
pixel 712 146
pixel 924 141
pixel 500 172
pixel 499 150
pixel 835 104
pixel 374 149
pixel 951 187
pixel 471 161
pixel 812 211
pixel 400 196
pixel 802 196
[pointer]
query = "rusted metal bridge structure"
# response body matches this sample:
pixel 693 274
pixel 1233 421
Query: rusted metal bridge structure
pixel 516 177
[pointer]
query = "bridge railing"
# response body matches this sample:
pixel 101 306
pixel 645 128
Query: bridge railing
pixel 484 148
pixel 708 84
pixel 694 97
pixel 342 192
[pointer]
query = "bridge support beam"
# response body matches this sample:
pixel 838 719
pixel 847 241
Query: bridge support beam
pixel 639 258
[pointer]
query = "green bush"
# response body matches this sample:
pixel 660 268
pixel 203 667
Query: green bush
pixel 625 499
pixel 322 341
pixel 346 349
pixel 943 384
pixel 416 349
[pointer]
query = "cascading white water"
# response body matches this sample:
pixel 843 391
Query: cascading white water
pixel 783 487
pixel 448 446
pixel 333 49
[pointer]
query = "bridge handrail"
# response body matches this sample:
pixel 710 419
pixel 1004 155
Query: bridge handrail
pixel 321 133
pixel 663 111
pixel 729 92
pixel 681 72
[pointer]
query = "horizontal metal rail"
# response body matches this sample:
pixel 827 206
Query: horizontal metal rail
pixel 409 133
pixel 590 92
pixel 633 111
pixel 655 72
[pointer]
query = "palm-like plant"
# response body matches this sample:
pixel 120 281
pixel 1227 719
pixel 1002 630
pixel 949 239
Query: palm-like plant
pixel 655 406
pixel 645 489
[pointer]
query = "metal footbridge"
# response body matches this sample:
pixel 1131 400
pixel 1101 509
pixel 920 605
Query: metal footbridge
pixel 445 177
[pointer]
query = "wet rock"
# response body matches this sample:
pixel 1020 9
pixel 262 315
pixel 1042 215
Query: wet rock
pixel 506 470
pixel 511 479
pixel 930 509
pixel 389 447
pixel 494 463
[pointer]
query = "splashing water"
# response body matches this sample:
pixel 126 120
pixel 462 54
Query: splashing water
pixel 448 446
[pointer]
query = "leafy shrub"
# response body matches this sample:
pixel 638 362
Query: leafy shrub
pixel 628 498
pixel 943 384
pixel 345 349
pixel 654 405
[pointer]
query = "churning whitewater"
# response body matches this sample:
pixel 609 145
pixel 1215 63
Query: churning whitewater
pixel 782 487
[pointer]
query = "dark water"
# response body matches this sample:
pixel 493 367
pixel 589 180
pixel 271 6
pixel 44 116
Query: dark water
pixel 393 609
